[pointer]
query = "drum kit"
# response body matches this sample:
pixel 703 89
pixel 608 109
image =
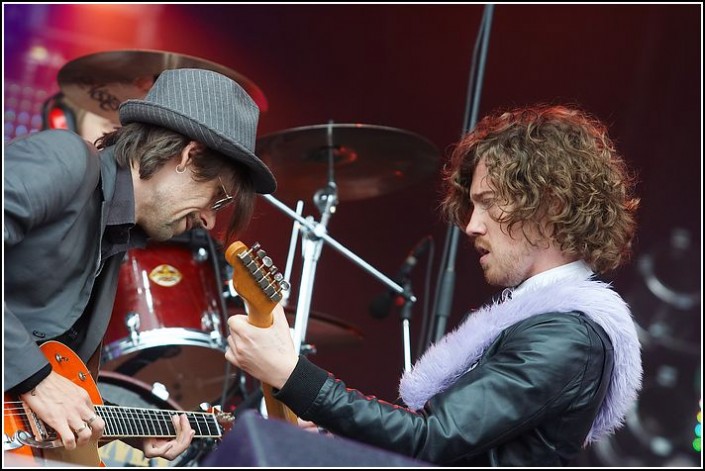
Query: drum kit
pixel 168 329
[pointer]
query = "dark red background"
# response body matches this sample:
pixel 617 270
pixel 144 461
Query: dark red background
pixel 637 67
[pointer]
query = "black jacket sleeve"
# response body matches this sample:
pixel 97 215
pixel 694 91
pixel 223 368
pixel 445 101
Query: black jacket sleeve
pixel 534 371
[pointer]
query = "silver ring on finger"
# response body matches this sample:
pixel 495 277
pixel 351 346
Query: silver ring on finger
pixel 85 426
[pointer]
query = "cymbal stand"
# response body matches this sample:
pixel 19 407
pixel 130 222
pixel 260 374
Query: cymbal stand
pixel 316 232
pixel 326 199
pixel 290 257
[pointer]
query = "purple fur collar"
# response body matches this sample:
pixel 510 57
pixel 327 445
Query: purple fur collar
pixel 447 360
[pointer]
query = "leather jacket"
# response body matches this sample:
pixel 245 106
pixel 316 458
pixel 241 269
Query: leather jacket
pixel 529 400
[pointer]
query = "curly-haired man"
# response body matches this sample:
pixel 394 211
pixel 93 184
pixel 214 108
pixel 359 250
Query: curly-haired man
pixel 548 203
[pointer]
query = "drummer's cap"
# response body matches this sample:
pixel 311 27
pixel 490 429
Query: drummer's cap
pixel 209 108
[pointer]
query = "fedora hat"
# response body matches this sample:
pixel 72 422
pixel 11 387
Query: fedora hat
pixel 209 108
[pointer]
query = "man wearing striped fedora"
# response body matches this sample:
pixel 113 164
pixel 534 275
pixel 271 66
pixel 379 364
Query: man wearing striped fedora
pixel 72 211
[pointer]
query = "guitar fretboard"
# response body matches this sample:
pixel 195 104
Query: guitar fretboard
pixel 123 422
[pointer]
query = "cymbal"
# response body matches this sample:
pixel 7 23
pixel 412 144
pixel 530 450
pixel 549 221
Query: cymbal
pixel 321 330
pixel 368 160
pixel 99 82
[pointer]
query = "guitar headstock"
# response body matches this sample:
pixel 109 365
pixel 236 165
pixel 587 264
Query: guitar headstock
pixel 260 284
pixel 224 419
pixel 255 278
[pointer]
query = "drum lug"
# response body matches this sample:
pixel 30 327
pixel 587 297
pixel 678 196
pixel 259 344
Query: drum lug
pixel 200 255
pixel 132 322
pixel 160 391
pixel 210 320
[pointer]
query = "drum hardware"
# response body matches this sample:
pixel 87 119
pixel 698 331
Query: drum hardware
pixel 99 82
pixel 211 322
pixel 160 391
pixel 132 322
pixel 200 254
pixel 367 161
pixel 290 257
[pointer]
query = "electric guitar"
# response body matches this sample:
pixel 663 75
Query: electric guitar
pixel 259 283
pixel 31 440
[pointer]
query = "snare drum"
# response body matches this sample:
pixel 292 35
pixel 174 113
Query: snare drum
pixel 166 326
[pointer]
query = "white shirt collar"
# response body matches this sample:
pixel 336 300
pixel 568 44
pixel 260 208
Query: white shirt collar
pixel 578 271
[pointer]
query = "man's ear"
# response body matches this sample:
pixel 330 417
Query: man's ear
pixel 554 205
pixel 193 147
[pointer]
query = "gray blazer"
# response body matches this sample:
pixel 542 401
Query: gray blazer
pixel 56 189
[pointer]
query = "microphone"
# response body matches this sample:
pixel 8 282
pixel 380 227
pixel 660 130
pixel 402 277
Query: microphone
pixel 382 304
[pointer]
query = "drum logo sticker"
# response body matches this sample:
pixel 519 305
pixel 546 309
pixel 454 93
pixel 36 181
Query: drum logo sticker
pixel 165 275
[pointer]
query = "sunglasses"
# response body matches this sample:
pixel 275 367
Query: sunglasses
pixel 224 201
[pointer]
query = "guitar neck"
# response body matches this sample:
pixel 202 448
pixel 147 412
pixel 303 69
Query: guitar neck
pixel 124 422
pixel 258 282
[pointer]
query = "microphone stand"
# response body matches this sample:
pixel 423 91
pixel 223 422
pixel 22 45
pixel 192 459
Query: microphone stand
pixel 444 294
pixel 406 332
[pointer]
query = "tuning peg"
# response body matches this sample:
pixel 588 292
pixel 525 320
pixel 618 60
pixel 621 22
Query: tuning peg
pixel 266 260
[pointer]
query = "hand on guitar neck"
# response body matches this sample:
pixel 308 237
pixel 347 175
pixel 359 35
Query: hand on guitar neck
pixel 260 343
pixel 268 354
pixel 66 410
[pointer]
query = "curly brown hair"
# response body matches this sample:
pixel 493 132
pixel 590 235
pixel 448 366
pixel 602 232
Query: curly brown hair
pixel 153 146
pixel 555 168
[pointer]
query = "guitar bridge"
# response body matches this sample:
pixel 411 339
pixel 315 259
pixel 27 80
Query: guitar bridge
pixel 21 438
pixel 47 437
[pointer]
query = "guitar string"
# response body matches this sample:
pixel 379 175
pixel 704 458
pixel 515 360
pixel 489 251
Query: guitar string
pixel 120 414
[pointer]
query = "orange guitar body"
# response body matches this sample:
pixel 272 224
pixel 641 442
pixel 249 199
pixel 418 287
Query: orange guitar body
pixel 22 426
pixel 66 363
